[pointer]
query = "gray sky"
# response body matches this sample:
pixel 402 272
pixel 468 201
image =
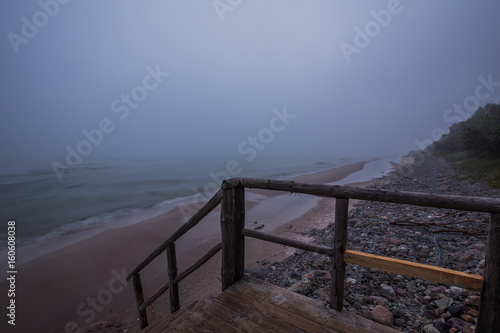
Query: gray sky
pixel 351 93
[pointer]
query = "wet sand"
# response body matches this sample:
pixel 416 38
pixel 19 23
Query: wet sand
pixel 83 284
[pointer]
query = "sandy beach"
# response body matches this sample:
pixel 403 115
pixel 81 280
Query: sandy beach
pixel 83 285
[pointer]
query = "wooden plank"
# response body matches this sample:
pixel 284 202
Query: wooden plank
pixel 234 318
pixel 172 274
pixel 288 242
pixel 233 242
pixel 202 321
pixel 257 313
pixel 339 247
pixel 268 310
pixel 193 221
pixel 425 272
pixel 309 308
pixel 172 320
pixel 139 299
pixel 488 319
pixel 411 198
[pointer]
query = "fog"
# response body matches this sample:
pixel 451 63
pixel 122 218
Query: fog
pixel 163 78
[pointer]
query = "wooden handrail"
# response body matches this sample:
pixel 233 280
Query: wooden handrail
pixel 232 199
pixel 199 263
pixel 181 276
pixel 288 242
pixel 192 222
pixel 466 203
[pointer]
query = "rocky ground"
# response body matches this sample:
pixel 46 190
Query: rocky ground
pixel 439 237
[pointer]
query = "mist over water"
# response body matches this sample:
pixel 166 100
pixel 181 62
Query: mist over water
pixel 101 191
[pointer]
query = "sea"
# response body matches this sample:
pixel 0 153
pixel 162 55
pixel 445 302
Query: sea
pixel 108 193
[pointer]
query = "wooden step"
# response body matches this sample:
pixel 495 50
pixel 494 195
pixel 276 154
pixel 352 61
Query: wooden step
pixel 251 305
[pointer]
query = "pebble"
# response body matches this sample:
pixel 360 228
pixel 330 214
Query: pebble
pixel 382 315
pixel 396 231
pixel 430 329
pixel 457 323
pixel 455 311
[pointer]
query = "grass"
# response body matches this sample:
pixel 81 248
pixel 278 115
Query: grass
pixel 478 169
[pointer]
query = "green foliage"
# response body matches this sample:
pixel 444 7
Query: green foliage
pixel 474 145
pixel 481 133
pixel 477 136
pixel 486 169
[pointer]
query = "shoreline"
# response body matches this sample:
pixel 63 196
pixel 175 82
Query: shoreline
pixel 62 282
pixel 69 234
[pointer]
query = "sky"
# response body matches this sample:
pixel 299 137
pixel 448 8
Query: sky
pixel 166 78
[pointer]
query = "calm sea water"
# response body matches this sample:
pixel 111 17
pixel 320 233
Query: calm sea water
pixel 98 192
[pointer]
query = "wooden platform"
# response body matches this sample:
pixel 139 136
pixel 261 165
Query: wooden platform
pixel 251 305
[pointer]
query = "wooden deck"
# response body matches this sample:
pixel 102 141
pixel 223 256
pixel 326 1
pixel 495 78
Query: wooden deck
pixel 251 305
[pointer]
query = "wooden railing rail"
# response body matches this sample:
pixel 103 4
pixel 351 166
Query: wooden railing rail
pixel 489 285
pixel 173 279
pixel 465 203
pixel 192 222
pixel 233 233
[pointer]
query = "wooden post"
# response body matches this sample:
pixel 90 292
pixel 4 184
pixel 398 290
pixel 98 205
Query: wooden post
pixel 233 242
pixel 488 319
pixel 172 274
pixel 339 247
pixel 139 299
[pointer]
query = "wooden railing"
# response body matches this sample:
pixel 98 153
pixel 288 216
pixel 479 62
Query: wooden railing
pixel 232 199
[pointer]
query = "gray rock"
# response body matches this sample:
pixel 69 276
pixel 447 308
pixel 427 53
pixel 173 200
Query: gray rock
pixel 430 329
pixel 443 302
pixel 382 315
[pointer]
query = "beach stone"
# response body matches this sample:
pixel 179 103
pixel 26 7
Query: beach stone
pixel 400 292
pixel 382 315
pixel 399 322
pixel 464 258
pixel 399 278
pixel 446 316
pixel 473 312
pixel 474 252
pixel 440 311
pixel 443 302
pixel 304 287
pixel 437 296
pixel 309 276
pixel 430 329
pixel 388 289
pixel 442 327
pixel 323 294
pixel 351 280
pixel 469 329
pixel 377 300
pixel 468 318
pixel 431 314
pixel 455 311
pixel 457 323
